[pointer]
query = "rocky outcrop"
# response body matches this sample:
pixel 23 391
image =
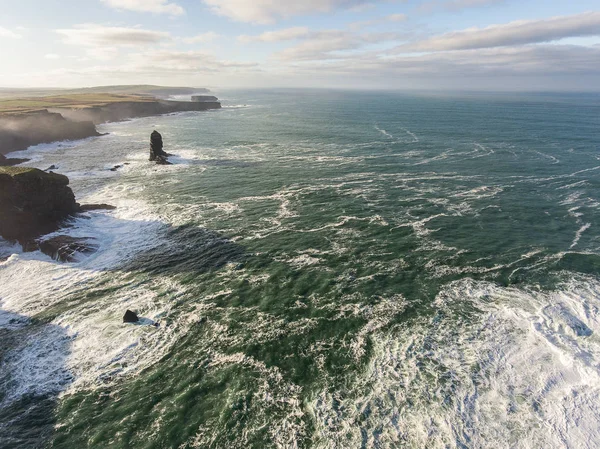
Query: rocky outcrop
pixel 93 207
pixel 130 317
pixel 33 202
pixel 157 154
pixel 64 248
pixel 20 131
pixel 116 112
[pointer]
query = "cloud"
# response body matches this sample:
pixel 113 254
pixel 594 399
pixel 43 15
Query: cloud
pixel 382 20
pixel 528 64
pixel 321 45
pixel 154 6
pixel 395 18
pixel 92 35
pixel 513 33
pixel 52 56
pixel 201 38
pixel 286 34
pixel 184 61
pixel 456 5
pixel 5 32
pixel 267 11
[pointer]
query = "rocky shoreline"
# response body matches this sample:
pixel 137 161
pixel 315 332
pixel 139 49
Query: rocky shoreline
pixel 34 203
pixel 20 131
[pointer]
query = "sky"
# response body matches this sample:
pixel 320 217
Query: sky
pixel 495 45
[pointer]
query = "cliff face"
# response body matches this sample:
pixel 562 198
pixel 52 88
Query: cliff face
pixel 33 202
pixel 18 132
pixel 127 110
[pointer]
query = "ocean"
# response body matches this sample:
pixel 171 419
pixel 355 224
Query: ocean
pixel 330 269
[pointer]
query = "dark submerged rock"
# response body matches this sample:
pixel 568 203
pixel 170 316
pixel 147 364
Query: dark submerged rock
pixel 130 317
pixel 66 249
pixel 92 207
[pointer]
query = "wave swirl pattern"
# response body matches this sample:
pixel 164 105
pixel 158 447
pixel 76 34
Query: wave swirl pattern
pixel 329 270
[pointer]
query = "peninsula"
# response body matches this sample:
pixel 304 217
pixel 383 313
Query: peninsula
pixel 32 117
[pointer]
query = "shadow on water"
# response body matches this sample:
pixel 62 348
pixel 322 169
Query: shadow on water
pixel 33 373
pixel 189 249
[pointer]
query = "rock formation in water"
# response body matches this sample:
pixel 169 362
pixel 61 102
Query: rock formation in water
pixel 64 248
pixel 33 202
pixel 130 317
pixel 157 154
pixel 93 207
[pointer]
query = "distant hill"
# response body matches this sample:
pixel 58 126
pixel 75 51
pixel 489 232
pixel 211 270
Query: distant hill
pixel 136 89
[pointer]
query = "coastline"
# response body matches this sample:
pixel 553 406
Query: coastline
pixel 19 131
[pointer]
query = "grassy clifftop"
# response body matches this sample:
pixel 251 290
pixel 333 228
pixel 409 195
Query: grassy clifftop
pixel 72 101
pixel 27 174
pixel 136 89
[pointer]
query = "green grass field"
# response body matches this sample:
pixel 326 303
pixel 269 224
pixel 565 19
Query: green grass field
pixel 31 104
pixel 15 101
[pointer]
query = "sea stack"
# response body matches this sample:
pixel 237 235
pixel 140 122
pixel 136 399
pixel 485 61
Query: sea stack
pixel 157 154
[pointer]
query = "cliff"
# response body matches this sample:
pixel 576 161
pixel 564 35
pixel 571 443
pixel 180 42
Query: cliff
pixel 20 131
pixel 33 202
pixel 131 109
pixel 204 98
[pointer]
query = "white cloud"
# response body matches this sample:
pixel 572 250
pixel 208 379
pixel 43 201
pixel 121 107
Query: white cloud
pixel 184 61
pixel 382 20
pixel 529 64
pixel 92 35
pixel 456 5
pixel 513 33
pixel 5 32
pixel 154 6
pixel 52 56
pixel 321 45
pixel 267 11
pixel 396 18
pixel 201 38
pixel 286 34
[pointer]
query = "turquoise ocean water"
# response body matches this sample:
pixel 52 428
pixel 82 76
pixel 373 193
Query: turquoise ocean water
pixel 329 269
